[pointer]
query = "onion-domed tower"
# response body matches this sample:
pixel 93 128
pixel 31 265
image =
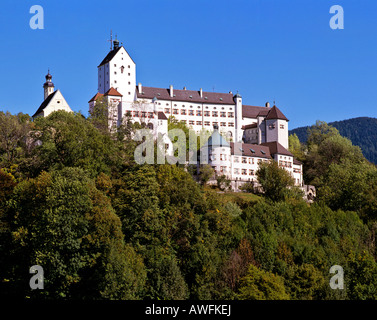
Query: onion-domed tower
pixel 48 85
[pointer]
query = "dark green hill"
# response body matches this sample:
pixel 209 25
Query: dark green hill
pixel 361 131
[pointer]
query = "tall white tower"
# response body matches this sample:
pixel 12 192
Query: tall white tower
pixel 118 71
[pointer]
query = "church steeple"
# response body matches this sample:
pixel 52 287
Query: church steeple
pixel 48 85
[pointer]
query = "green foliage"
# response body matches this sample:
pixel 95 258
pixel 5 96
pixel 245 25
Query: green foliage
pixel 262 285
pixel 69 140
pixel 13 137
pixel 62 222
pixel 206 172
pixel 361 131
pixel 296 147
pixel 274 180
pixel 73 200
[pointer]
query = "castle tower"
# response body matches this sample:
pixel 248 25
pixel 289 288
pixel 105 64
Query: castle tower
pixel 48 86
pixel 117 70
pixel 277 127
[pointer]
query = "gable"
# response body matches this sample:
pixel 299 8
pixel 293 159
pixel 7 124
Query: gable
pixel 112 54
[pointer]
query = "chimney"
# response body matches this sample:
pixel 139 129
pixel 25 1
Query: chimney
pixel 201 93
pixel 184 88
pixel 140 88
pixel 267 104
pixel 171 91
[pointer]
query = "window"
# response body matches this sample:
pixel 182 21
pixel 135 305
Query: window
pixel 236 171
pixel 236 160
pixel 121 69
pixel 175 111
pixel 115 72
pixel 183 112
pixel 207 123
pixel 244 172
pixel 199 123
pixel 136 113
pixel 115 65
pixel 167 110
pixel 206 113
pixel 222 114
pixel 251 172
pixel 129 66
pixel 129 74
pixel 251 160
pixel 191 122
pixel 199 113
pixel 223 124
pixel 214 113
pixel 282 126
pixel 215 123
pixel 231 124
pixel 191 112
pixel 223 169
pixel 244 160
pixel 230 114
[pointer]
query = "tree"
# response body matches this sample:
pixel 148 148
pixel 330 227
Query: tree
pixel 262 285
pixel 320 132
pixel 63 223
pixel 206 172
pixel 67 139
pixel 222 182
pixel 296 147
pixel 274 180
pixel 13 136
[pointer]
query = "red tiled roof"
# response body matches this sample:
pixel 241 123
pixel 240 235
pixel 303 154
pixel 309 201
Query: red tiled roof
pixel 162 116
pixel 98 95
pixel 185 95
pixel 295 161
pixel 275 113
pixel 250 126
pixel 247 150
pixel 276 147
pixel 113 92
pixel 254 111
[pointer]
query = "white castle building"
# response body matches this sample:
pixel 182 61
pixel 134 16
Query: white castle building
pixel 252 133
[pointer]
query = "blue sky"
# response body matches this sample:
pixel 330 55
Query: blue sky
pixel 282 51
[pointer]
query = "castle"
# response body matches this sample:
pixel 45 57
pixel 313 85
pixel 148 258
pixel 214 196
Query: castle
pixel 243 135
pixel 252 133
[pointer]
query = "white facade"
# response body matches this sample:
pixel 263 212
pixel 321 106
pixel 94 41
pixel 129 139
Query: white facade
pixel 53 100
pixel 264 128
pixel 118 71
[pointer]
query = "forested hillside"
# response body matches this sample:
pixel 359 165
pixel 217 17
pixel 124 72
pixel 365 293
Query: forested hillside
pixel 361 131
pixel 73 201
